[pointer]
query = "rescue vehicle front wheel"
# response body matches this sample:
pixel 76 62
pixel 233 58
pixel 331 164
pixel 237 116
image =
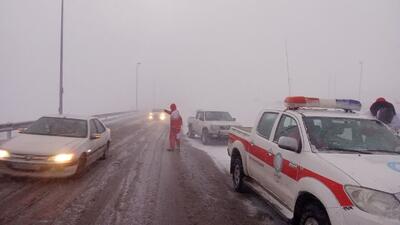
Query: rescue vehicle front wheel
pixel 237 175
pixel 314 214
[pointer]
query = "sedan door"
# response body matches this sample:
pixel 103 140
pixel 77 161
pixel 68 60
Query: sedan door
pixel 103 135
pixel 95 142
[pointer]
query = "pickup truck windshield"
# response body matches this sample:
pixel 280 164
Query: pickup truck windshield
pixel 351 135
pixel 218 116
pixel 53 126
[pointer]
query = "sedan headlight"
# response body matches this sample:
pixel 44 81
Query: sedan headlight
pixel 375 202
pixel 62 158
pixel 4 154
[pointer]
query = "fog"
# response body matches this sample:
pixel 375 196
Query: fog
pixel 209 54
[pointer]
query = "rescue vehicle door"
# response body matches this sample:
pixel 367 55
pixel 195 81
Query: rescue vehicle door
pixel 260 159
pixel 286 159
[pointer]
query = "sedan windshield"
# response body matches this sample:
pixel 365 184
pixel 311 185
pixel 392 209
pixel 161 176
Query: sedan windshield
pixel 218 116
pixel 59 127
pixel 351 135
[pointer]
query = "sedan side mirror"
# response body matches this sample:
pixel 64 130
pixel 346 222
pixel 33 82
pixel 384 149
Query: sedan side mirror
pixel 95 136
pixel 288 143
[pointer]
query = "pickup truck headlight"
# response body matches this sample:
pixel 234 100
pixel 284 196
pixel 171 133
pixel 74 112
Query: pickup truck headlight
pixel 214 128
pixel 4 154
pixel 375 202
pixel 62 158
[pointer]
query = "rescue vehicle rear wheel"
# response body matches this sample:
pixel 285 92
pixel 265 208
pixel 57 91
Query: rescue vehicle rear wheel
pixel 237 175
pixel 314 214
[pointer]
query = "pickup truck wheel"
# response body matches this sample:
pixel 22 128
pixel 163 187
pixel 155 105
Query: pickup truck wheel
pixel 237 176
pixel 205 138
pixel 314 214
pixel 190 132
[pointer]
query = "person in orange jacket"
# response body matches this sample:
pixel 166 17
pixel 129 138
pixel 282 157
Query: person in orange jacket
pixel 175 127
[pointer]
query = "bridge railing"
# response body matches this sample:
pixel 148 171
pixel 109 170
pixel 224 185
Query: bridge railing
pixel 10 127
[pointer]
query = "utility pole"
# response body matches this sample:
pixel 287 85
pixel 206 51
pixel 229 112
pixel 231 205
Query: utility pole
pixel 137 84
pixel 361 78
pixel 154 93
pixel 287 68
pixel 60 107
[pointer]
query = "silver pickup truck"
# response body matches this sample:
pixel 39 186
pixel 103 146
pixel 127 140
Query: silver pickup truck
pixel 210 124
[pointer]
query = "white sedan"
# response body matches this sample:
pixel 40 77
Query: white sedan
pixel 55 146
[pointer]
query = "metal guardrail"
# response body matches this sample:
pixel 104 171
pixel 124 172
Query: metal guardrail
pixel 10 127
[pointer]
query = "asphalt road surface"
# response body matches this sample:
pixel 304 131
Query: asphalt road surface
pixel 139 184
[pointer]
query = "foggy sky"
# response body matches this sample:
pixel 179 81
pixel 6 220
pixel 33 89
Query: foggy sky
pixel 209 54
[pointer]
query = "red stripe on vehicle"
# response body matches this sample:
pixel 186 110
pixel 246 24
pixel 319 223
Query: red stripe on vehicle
pixel 296 173
pixel 289 171
pixel 336 188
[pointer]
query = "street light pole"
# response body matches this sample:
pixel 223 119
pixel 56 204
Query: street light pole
pixel 60 107
pixel 137 84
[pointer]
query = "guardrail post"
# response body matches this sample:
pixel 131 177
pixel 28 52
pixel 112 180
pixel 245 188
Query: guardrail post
pixel 9 133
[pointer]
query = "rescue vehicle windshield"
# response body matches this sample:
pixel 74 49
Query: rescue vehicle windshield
pixel 351 135
pixel 218 116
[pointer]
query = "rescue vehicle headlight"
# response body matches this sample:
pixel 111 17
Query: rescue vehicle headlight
pixel 375 202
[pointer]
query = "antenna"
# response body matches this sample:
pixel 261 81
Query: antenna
pixel 287 68
pixel 361 77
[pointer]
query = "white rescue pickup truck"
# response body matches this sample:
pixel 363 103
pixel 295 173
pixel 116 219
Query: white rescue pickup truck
pixel 210 124
pixel 320 163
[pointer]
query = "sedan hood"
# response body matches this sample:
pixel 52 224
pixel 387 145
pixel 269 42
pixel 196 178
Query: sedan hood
pixel 41 144
pixel 379 172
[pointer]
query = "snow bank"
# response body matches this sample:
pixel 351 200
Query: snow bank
pixel 218 154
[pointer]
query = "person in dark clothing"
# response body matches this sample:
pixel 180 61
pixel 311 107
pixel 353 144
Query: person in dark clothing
pixel 385 115
pixel 381 103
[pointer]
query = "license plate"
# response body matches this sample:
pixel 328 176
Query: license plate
pixel 25 166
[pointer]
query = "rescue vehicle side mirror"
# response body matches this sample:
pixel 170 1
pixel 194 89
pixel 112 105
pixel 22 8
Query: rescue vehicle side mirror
pixel 288 143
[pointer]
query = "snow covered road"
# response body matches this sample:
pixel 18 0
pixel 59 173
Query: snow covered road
pixel 139 184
